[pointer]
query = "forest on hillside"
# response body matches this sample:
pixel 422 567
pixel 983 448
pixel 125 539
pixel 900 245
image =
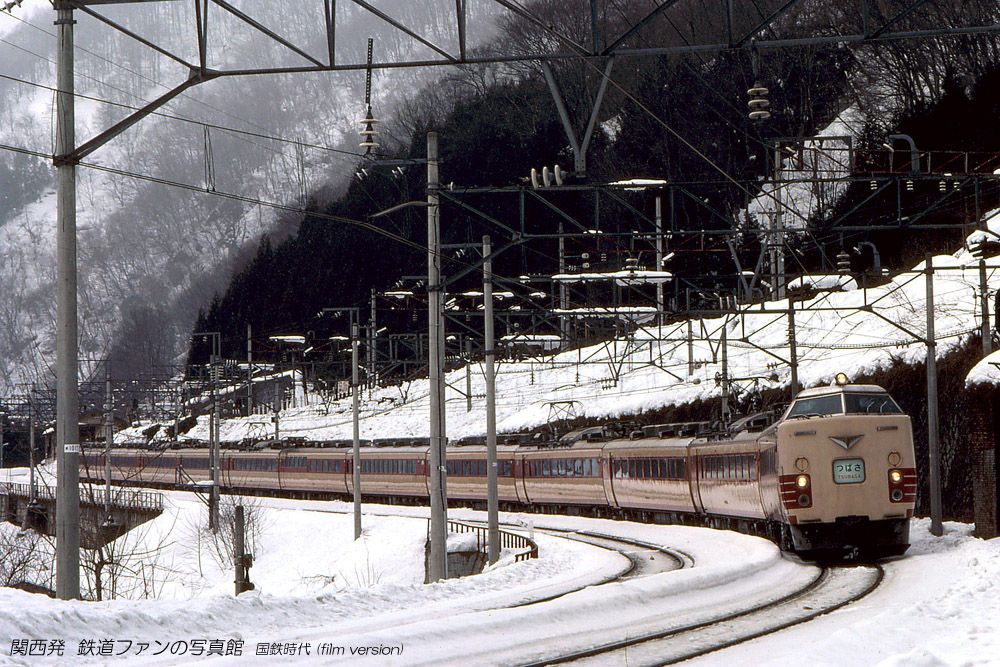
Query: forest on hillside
pixel 681 118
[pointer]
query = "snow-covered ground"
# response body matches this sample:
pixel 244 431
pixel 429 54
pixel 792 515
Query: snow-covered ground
pixel 654 367
pixel 316 586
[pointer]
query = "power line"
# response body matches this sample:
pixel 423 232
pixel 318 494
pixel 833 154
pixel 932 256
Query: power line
pixel 190 121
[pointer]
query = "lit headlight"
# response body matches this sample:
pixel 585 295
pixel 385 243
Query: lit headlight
pixel 802 481
pixel 841 378
pixel 896 476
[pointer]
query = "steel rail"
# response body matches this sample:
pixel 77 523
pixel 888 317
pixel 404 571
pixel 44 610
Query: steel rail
pixel 797 602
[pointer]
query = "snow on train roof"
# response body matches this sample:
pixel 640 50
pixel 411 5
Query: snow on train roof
pixel 834 388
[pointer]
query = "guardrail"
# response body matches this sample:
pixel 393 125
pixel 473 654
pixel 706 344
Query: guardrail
pixel 129 499
pixel 508 540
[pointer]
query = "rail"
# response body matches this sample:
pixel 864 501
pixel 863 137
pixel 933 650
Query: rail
pixel 129 499
pixel 526 546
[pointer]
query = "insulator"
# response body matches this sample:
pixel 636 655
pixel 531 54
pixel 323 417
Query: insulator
pixel 534 178
pixel 558 173
pixel 909 186
pixel 843 262
pixel 942 186
pixel 757 91
pixel 760 115
pixel 546 177
pixel 874 185
pixel 758 103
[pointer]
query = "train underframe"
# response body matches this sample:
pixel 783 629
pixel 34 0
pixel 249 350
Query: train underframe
pixel 850 538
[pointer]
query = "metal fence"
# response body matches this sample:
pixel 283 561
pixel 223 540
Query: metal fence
pixel 129 499
pixel 526 547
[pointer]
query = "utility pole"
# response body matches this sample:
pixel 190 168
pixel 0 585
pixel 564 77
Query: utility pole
pixel 67 399
pixel 109 437
pixel 468 373
pixel 213 427
pixel 658 219
pixel 249 371
pixel 373 332
pixel 932 407
pixel 723 343
pixel 984 302
pixel 437 568
pixel 492 497
pixel 563 290
pixel 356 472
pixel 793 357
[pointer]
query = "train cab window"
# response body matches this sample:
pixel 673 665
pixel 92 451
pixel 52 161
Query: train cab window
pixel 868 404
pixel 817 406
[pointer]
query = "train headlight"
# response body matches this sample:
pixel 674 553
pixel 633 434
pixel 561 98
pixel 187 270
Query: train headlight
pixel 802 481
pixel 896 476
pixel 841 378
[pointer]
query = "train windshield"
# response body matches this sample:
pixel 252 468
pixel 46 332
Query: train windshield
pixel 868 404
pixel 817 406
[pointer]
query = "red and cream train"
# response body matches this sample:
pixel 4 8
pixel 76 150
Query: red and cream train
pixel 833 477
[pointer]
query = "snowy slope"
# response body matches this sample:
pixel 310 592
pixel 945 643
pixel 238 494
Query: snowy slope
pixel 650 369
pixel 148 252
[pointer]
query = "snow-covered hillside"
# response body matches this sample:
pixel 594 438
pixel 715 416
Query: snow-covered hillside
pixel 653 367
pixel 150 254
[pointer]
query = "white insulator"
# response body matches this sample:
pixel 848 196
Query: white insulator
pixel 757 91
pixel 534 178
pixel 369 144
pixel 758 103
pixel 760 115
pixel 546 177
pixel 558 173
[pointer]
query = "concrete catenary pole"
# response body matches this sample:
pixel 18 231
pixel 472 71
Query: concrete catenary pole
pixel 984 304
pixel 492 497
pixel 249 371
pixel 658 219
pixel 793 354
pixel 356 451
pixel 932 407
pixel 67 399
pixel 109 436
pixel 213 456
pixel 437 568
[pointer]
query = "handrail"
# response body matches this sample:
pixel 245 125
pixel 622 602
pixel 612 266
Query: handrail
pixel 508 540
pixel 129 499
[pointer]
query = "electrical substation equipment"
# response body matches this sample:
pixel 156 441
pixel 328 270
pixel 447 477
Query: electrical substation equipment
pixel 548 177
pixel 368 124
pixel 758 102
pixel 843 262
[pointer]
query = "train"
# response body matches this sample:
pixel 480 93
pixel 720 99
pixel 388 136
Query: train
pixel 833 476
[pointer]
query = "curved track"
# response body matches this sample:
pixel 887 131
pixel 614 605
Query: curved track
pixel 832 589
pixel 645 558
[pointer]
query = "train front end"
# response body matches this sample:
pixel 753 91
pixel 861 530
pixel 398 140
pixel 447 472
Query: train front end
pixel 847 474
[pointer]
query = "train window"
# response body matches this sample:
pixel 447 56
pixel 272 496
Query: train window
pixel 868 404
pixel 578 467
pixel 546 468
pixel 817 405
pixel 646 469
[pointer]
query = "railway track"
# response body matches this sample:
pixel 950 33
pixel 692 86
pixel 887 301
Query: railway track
pixel 645 559
pixel 833 588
